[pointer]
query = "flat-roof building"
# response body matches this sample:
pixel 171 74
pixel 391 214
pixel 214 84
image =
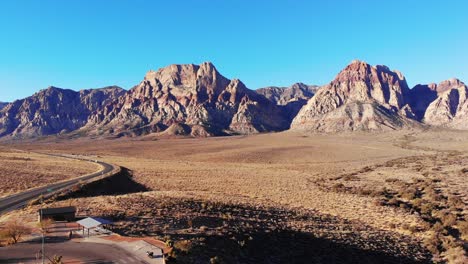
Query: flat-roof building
pixel 58 214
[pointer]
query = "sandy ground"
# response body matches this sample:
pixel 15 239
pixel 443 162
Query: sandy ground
pixel 291 170
pixel 23 170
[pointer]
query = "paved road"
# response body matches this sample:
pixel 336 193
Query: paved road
pixel 72 252
pixel 19 200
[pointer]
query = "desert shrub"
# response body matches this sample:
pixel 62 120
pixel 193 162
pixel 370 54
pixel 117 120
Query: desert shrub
pixel 183 246
pixel 455 201
pixel 408 193
pixel 448 220
pixel 433 243
pixel 435 180
pixel 438 228
pixel 413 228
pixel 427 208
pixel 350 177
pixel 362 191
pixel 45 224
pixel 462 227
pixel 391 180
pixel 432 195
pixel 169 243
pixel 393 202
pixel 417 203
pixel 338 187
pixel 455 255
pixel 14 231
pixel 380 202
pixel 215 260
pixel 449 242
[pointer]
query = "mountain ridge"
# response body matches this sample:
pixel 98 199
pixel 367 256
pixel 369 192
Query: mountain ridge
pixel 196 100
pixel 361 97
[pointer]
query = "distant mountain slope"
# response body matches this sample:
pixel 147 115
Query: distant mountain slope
pixel 2 105
pixel 285 95
pixel 292 98
pixel 196 99
pixel 450 107
pixel 53 110
pixel 361 97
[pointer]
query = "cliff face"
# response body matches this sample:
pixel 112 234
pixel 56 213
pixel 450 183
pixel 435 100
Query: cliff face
pixel 450 106
pixel 52 111
pixel 361 97
pixel 286 95
pixel 197 97
pixel 197 100
pixel 291 98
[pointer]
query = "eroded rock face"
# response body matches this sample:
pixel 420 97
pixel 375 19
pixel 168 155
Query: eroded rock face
pixel 291 98
pixel 361 97
pixel 450 107
pixel 286 95
pixel 196 96
pixel 52 111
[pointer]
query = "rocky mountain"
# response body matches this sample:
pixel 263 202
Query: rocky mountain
pixel 188 99
pixel 197 100
pixel 361 97
pixel 449 105
pixel 2 105
pixel 286 95
pixel 53 110
pixel 292 98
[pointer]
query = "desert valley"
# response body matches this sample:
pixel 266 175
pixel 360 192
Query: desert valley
pixel 361 170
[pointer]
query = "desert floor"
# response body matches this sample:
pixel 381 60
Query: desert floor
pixel 22 170
pixel 360 178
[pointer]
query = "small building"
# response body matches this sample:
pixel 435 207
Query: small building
pixel 58 214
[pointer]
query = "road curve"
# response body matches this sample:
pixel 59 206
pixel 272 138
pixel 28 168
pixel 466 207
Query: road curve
pixel 19 200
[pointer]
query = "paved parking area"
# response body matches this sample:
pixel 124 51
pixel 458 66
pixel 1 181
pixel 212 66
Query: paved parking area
pixel 72 252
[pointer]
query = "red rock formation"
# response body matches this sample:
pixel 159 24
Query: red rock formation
pixel 361 97
pixel 197 96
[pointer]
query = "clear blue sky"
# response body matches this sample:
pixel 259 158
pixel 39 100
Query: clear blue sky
pixel 83 44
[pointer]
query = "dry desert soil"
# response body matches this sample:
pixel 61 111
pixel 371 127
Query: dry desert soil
pixel 394 197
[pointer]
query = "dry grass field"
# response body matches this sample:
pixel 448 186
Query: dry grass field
pixel 395 191
pixel 23 170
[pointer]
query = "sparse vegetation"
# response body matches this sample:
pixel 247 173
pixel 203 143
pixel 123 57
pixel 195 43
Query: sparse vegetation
pixel 396 186
pixel 13 232
pixel 25 170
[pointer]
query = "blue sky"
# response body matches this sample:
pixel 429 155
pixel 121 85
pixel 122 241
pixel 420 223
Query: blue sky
pixel 83 44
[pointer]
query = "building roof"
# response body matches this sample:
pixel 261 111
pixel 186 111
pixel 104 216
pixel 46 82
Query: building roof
pixel 91 222
pixel 58 210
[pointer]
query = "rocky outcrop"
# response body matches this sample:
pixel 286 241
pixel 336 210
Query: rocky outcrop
pixel 291 98
pixel 53 110
pixel 286 95
pixel 449 108
pixel 197 98
pixel 361 97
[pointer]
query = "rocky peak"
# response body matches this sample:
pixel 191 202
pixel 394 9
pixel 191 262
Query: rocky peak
pixel 53 110
pixel 284 95
pixel 449 106
pixel 360 97
pixel 361 81
pixel 448 85
pixel 193 96
pixel 422 95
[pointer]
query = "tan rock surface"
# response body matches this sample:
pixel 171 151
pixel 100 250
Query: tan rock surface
pixel 361 97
